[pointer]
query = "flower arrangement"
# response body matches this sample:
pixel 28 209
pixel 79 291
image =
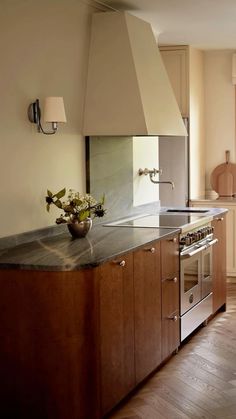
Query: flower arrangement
pixel 76 207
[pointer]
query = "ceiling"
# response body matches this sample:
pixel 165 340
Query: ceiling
pixel 204 24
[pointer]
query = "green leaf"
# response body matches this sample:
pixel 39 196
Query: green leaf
pixel 49 193
pixel 83 215
pixel 61 193
pixel 58 203
pixel 102 201
pixel 69 209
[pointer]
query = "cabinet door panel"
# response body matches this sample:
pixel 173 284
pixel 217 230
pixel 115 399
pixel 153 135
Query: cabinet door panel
pixel 231 242
pixel 176 64
pixel 147 286
pixel 116 331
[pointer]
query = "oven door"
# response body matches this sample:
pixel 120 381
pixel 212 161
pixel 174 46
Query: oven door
pixel 191 273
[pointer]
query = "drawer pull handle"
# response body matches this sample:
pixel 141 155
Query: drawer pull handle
pixel 122 263
pixel 152 250
pixel 174 240
pixel 220 219
pixel 173 318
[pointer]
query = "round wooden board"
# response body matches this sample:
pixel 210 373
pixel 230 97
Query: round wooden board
pixel 223 179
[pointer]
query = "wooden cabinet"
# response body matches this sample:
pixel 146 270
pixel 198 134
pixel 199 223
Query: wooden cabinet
pixel 147 314
pixel 138 325
pixel 73 344
pixel 230 230
pixel 116 330
pixel 170 296
pixel 48 357
pixel 176 64
pixel 219 264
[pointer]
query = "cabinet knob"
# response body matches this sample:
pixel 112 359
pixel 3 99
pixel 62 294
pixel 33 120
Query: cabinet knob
pixel 173 318
pixel 174 240
pixel 122 263
pixel 175 279
pixel 220 219
pixel 152 250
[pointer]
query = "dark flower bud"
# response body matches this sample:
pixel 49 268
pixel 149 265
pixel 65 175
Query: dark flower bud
pixel 99 212
pixel 49 200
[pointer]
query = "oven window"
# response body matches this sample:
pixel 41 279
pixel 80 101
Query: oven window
pixel 191 275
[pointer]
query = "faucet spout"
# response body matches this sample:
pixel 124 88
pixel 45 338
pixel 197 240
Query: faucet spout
pixel 161 181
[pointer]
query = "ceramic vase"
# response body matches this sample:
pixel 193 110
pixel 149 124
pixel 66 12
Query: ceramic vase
pixel 80 229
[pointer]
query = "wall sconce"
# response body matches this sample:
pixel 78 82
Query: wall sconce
pixel 54 112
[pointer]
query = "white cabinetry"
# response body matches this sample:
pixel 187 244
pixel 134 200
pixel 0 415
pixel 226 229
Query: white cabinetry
pixel 185 68
pixel 230 231
pixel 176 64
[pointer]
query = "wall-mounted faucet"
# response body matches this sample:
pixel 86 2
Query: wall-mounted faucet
pixel 152 173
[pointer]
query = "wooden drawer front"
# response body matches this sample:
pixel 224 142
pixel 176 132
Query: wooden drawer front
pixel 170 295
pixel 170 334
pixel 169 256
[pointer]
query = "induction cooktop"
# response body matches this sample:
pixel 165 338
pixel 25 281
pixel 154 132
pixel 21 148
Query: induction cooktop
pixel 182 221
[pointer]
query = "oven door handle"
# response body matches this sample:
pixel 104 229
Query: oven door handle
pixel 211 243
pixel 200 249
pixel 194 252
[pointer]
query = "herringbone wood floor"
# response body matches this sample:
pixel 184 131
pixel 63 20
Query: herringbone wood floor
pixel 199 382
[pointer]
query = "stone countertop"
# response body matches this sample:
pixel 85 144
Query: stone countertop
pixel 53 249
pixel 63 253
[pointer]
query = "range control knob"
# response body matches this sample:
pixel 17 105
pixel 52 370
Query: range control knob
pixel 210 230
pixel 188 240
pixel 204 232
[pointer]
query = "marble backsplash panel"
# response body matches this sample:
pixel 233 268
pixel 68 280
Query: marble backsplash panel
pixel 110 171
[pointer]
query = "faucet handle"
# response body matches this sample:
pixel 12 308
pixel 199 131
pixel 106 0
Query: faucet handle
pixel 149 172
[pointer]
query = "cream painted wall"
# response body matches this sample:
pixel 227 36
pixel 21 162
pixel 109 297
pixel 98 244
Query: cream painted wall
pixel 44 47
pixel 197 123
pixel 220 109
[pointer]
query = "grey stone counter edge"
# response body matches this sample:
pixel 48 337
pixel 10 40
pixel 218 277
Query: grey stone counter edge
pixel 62 253
pixel 213 211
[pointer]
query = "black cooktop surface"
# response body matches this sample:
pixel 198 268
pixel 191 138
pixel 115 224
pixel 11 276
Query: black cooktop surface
pixel 160 220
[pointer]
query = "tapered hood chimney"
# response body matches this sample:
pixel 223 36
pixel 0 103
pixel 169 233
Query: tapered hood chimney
pixel 128 90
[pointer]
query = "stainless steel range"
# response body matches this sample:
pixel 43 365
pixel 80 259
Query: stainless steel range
pixel 195 278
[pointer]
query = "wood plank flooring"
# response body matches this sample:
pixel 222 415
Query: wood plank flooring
pixel 198 382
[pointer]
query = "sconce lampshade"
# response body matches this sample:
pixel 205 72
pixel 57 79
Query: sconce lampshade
pixel 54 110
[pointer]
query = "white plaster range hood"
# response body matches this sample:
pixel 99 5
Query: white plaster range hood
pixel 128 90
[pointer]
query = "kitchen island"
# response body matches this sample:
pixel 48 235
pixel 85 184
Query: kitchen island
pixel 84 321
